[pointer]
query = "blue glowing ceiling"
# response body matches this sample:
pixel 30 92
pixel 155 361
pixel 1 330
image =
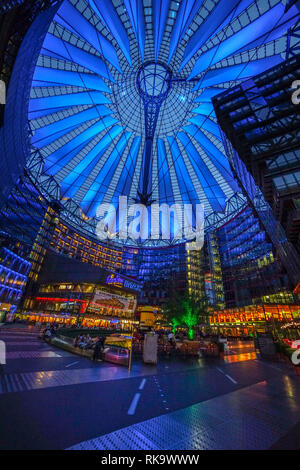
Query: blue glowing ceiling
pixel 87 107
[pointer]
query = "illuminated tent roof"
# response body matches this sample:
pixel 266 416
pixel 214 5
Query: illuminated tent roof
pixel 121 95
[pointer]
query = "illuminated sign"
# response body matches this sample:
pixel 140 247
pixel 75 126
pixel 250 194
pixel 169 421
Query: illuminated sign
pixel 118 281
pixel 115 280
pixel 131 285
pixel 109 300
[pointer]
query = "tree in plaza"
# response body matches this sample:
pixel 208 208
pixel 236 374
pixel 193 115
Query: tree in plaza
pixel 185 310
pixel 190 314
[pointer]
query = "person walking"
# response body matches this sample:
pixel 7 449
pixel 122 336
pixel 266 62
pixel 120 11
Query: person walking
pixel 98 349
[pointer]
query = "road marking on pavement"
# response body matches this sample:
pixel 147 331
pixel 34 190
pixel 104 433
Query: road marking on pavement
pixel 230 378
pixel 72 364
pixel 142 384
pixel 226 375
pixel 134 403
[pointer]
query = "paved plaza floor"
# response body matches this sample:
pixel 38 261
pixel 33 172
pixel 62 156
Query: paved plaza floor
pixel 52 399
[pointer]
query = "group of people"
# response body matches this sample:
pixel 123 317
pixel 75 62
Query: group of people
pixel 87 342
pixel 83 342
pixel 49 331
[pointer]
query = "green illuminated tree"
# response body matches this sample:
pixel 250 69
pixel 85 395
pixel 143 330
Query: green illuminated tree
pixel 190 314
pixel 185 311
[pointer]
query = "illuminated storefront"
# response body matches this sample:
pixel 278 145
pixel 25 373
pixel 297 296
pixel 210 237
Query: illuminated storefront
pixel 247 320
pixel 92 305
pixel 65 319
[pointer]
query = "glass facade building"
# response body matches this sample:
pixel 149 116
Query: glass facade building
pixel 149 227
pixel 249 265
pixel 14 271
pixel 145 102
pixel 262 122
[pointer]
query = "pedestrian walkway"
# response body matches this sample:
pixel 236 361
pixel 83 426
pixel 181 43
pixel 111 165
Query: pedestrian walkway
pixel 252 418
pixel 18 337
pixel 58 378
pixel 236 403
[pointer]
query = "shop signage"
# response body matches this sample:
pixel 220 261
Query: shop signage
pixel 118 281
pixel 131 285
pixel 115 280
pixel 109 300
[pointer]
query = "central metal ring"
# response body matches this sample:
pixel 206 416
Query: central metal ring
pixel 154 80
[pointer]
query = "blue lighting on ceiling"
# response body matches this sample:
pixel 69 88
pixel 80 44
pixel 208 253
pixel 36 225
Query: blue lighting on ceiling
pixel 135 12
pixel 186 13
pixel 98 135
pixel 260 28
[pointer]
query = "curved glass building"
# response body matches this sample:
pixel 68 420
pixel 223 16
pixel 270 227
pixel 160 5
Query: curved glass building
pixel 116 100
pixel 150 223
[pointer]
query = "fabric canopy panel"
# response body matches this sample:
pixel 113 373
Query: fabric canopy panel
pixel 120 101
